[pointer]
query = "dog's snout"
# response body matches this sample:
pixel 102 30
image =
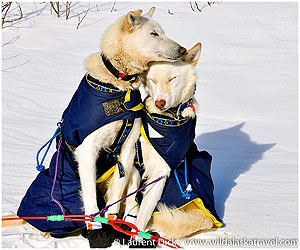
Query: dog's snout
pixel 160 103
pixel 182 50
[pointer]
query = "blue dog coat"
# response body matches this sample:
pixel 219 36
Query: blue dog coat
pixel 173 139
pixel 92 106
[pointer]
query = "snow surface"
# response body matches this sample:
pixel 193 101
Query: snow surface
pixel 247 93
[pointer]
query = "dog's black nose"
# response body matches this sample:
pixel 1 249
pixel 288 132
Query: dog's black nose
pixel 182 50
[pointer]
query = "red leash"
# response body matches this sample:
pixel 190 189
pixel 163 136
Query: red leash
pixel 116 224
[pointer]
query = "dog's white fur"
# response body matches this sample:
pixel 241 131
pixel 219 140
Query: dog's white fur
pixel 131 43
pixel 174 83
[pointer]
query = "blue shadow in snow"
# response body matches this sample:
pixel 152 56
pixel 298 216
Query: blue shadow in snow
pixel 233 154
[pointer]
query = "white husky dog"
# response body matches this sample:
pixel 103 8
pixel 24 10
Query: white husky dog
pixel 169 85
pixel 130 45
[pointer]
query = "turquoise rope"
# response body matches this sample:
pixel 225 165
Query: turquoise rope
pixel 40 167
pixel 185 194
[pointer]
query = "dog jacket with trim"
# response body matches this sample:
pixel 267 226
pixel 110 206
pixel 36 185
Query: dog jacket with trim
pixel 170 138
pixel 91 107
pixel 174 141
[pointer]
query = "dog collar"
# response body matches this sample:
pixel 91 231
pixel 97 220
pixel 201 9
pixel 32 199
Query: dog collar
pixel 120 75
pixel 101 86
pixel 165 120
pixel 176 111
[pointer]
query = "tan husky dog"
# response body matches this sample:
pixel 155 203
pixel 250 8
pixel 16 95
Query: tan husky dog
pixel 168 85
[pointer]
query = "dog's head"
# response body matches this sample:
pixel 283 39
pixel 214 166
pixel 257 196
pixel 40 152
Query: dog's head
pixel 141 37
pixel 170 84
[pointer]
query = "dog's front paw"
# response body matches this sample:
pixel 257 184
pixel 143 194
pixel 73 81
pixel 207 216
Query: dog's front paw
pixel 104 237
pixel 99 238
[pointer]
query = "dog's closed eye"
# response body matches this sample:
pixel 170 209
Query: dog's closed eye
pixel 172 78
pixel 152 80
pixel 154 33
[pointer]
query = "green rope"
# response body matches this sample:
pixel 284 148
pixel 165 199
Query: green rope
pixel 56 217
pixel 101 219
pixel 145 235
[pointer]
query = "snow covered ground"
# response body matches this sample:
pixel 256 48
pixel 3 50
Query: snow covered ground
pixel 247 92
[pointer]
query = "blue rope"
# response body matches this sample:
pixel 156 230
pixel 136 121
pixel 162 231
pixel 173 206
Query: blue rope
pixel 40 167
pixel 187 193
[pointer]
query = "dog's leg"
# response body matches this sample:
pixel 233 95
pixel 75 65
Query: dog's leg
pixel 86 156
pixel 132 207
pixel 155 167
pixel 151 196
pixel 118 184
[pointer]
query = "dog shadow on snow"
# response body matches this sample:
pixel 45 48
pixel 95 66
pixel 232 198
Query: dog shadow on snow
pixel 233 154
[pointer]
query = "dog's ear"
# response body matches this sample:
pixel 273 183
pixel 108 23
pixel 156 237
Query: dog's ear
pixel 150 12
pixel 131 20
pixel 192 56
